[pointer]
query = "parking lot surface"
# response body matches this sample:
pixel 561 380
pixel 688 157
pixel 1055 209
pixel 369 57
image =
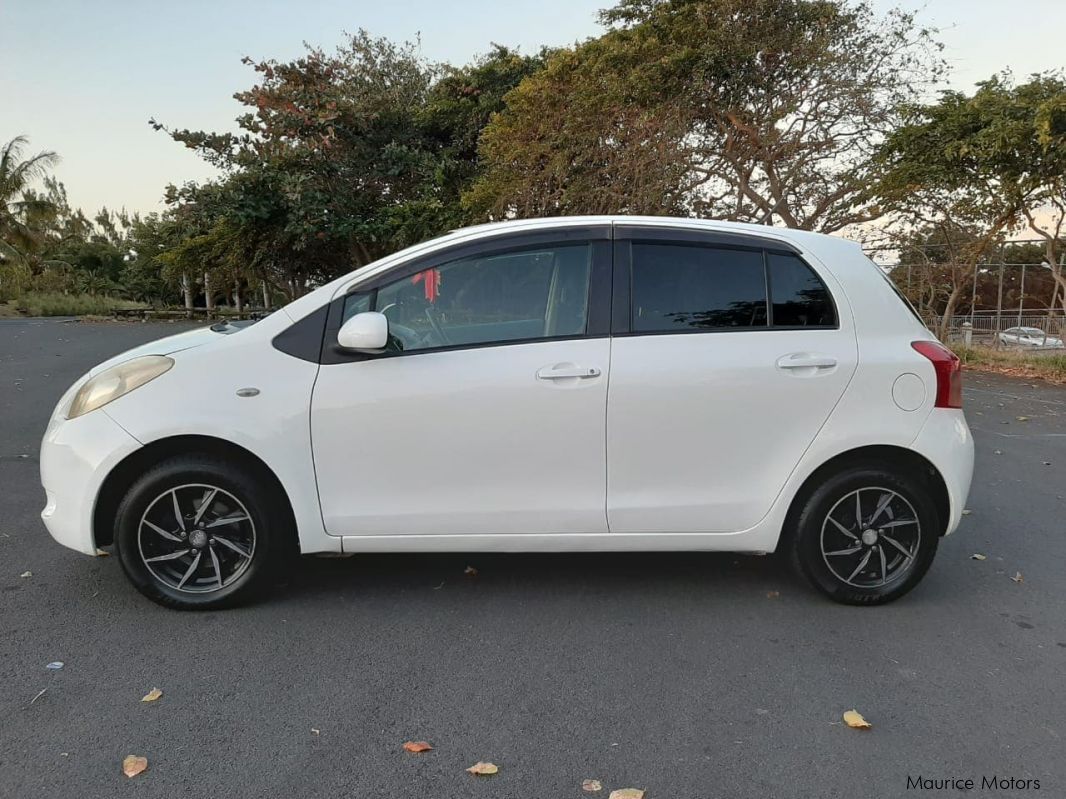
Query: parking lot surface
pixel 687 675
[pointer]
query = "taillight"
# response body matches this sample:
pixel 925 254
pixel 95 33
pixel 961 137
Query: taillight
pixel 948 372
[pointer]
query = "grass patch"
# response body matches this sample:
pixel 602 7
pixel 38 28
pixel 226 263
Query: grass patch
pixel 46 303
pixel 1048 365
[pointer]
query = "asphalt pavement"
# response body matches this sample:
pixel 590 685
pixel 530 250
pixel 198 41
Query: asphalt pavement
pixel 687 675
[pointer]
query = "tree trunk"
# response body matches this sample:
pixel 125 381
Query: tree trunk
pixel 186 288
pixel 238 300
pixel 266 297
pixel 209 297
pixel 949 311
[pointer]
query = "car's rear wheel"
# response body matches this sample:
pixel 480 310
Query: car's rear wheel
pixel 866 536
pixel 196 533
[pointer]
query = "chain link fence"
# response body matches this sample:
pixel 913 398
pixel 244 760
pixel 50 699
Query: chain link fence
pixel 1013 288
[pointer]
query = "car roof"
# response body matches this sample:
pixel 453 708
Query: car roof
pixel 805 238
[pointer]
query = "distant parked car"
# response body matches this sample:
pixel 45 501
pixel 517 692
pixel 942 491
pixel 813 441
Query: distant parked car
pixel 559 385
pixel 1030 337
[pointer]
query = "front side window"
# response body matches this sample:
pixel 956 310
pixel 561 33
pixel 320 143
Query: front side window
pixel 678 287
pixel 520 295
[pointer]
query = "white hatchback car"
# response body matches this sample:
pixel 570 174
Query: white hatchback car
pixel 568 384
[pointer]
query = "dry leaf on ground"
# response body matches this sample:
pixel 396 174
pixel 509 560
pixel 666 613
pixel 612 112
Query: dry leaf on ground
pixel 101 554
pixel 483 769
pixel 26 574
pixel 1022 418
pixel 773 594
pixel 152 695
pixel 966 512
pixel 627 793
pixel 134 765
pixel 978 556
pixel 854 719
pixel 591 785
pixel 315 731
pixel 470 570
pixel 1018 577
pixel 416 746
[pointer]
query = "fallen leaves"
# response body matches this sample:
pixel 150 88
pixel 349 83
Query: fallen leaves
pixel 55 665
pixel 1018 577
pixel 966 511
pixel 978 556
pixel 773 594
pixel 152 695
pixel 134 765
pixel 591 785
pixel 470 571
pixel 26 574
pixel 627 793
pixel 854 719
pixel 483 769
pixel 101 554
pixel 1022 418
pixel 417 746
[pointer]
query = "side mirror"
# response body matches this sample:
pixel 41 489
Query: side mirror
pixel 365 332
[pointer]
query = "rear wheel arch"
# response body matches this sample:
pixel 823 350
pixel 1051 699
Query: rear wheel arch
pixel 123 475
pixel 900 459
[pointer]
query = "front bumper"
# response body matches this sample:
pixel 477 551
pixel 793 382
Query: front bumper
pixel 945 440
pixel 76 457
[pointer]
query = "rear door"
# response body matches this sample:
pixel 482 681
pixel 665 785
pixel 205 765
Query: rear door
pixel 729 354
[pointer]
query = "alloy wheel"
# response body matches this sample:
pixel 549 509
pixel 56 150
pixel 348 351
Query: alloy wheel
pixel 870 537
pixel 196 538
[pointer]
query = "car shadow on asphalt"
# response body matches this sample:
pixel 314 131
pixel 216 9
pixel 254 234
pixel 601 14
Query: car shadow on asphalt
pixel 380 574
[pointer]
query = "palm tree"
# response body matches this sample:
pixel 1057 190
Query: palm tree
pixel 22 212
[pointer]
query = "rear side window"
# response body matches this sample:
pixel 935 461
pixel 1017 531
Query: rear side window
pixel 678 287
pixel 800 298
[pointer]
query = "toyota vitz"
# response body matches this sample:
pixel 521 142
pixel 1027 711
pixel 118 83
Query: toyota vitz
pixel 570 384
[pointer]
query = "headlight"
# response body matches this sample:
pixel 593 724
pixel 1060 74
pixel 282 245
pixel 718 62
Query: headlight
pixel 117 381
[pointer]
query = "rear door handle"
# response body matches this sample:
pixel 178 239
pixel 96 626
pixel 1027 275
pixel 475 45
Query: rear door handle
pixel 804 360
pixel 563 372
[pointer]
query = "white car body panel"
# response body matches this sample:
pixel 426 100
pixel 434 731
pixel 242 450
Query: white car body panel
pixel 463 441
pixel 377 491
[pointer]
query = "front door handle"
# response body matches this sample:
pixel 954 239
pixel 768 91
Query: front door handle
pixel 805 360
pixel 563 371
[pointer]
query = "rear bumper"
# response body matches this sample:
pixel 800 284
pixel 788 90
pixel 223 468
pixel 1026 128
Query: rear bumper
pixel 945 440
pixel 76 457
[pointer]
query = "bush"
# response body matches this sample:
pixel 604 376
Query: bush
pixel 51 303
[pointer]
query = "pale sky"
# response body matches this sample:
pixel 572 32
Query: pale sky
pixel 83 78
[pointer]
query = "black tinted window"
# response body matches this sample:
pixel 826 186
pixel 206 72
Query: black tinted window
pixel 679 287
pixel 800 298
pixel 512 296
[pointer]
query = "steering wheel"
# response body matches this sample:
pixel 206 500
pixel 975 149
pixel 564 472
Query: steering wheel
pixel 435 324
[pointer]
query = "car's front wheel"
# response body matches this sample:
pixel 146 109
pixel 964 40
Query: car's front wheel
pixel 196 533
pixel 866 536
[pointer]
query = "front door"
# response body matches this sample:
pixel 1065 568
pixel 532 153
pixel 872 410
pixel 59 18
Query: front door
pixel 487 414
pixel 730 360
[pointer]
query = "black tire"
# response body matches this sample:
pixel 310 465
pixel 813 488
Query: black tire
pixel 810 545
pixel 243 568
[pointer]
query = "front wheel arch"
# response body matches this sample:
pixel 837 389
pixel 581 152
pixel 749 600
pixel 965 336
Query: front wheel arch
pixel 122 476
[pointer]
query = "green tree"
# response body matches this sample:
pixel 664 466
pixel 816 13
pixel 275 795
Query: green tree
pixel 755 110
pixel 976 167
pixel 24 217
